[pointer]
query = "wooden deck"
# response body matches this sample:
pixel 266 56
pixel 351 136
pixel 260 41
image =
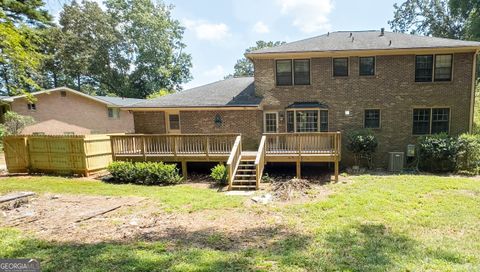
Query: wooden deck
pixel 274 147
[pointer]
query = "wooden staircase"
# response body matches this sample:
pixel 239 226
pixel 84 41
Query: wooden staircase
pixel 246 176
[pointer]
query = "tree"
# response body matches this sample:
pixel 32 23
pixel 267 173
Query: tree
pixel 244 67
pixel 455 19
pixel 159 93
pixel 133 48
pixel 15 123
pixel 20 58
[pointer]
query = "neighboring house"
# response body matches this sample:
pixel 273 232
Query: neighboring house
pixel 399 85
pixel 66 111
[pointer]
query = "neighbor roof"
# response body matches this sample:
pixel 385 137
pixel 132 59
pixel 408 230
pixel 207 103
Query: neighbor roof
pixel 364 40
pixel 232 92
pixel 107 100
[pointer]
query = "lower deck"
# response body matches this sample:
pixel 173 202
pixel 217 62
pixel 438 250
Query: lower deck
pixel 276 147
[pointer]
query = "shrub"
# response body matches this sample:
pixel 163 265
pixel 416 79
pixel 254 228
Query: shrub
pixel 468 154
pixel 219 173
pixel 437 153
pixel 148 173
pixel 362 143
pixel 15 123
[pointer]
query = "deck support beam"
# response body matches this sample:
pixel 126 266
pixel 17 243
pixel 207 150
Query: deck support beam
pixel 299 169
pixel 184 169
pixel 336 170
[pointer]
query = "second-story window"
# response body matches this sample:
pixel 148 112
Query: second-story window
pixel 302 72
pixel 284 72
pixel 113 113
pixel 430 68
pixel 340 67
pixel 443 67
pixel 366 66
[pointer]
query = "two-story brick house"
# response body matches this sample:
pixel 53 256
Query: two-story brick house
pixel 399 85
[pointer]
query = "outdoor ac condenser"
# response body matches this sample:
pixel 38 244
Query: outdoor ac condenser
pixel 396 161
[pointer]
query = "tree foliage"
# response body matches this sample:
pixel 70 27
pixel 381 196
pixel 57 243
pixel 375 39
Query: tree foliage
pixel 456 19
pixel 20 37
pixel 244 67
pixel 14 123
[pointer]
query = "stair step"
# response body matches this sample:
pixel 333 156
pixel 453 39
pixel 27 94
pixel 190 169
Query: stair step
pixel 245 176
pixel 246 170
pixel 244 187
pixel 247 165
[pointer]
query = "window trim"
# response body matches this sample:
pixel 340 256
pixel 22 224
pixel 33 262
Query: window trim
pixel 292 63
pixel 374 66
pixel 348 67
pixel 167 122
pixel 430 120
pixel 379 118
pixel 434 61
pixel 113 114
pixel 319 122
pixel 265 121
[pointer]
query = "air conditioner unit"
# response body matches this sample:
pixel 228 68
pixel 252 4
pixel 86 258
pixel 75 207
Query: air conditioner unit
pixel 396 161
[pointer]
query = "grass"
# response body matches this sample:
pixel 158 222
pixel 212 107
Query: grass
pixel 375 223
pixel 172 198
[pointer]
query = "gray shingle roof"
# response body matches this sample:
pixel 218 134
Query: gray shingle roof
pixel 119 101
pixel 364 40
pixel 233 92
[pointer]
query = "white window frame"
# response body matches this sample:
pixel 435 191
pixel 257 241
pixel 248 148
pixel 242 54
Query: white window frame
pixel 319 121
pixel 167 122
pixel 265 121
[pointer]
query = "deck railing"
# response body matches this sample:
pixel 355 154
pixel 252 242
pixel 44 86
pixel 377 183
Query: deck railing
pixel 303 143
pixel 260 161
pixel 172 144
pixel 234 160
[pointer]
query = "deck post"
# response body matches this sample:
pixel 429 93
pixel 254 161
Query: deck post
pixel 143 148
pixel 336 170
pixel 299 169
pixel 184 169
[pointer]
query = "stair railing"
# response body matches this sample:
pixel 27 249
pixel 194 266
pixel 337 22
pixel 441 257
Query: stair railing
pixel 234 160
pixel 260 161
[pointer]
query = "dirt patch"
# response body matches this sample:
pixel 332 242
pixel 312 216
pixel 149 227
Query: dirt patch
pixel 66 218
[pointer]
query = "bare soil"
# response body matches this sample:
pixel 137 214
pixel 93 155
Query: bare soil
pixel 61 218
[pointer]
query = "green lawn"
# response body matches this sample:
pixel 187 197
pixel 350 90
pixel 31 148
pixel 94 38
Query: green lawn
pixel 375 223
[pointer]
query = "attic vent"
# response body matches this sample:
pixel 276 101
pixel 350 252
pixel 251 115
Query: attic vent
pixel 350 35
pixel 382 31
pixel 63 93
pixel 390 43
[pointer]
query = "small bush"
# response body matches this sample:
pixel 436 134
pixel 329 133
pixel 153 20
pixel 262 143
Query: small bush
pixel 363 144
pixel 148 173
pixel 468 154
pixel 219 173
pixel 437 153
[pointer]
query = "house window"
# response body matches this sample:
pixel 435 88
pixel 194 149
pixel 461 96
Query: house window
pixel 174 121
pixel 31 106
pixel 367 66
pixel 307 120
pixel 271 122
pixel 440 120
pixel 431 121
pixel 113 113
pixel 443 67
pixel 340 67
pixel 284 72
pixel 290 121
pixel 372 119
pixel 424 68
pixel 302 72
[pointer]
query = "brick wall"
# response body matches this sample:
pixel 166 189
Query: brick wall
pixel 246 122
pixel 149 122
pixel 393 90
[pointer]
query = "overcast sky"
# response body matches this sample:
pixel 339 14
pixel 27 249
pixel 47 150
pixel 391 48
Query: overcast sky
pixel 218 31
